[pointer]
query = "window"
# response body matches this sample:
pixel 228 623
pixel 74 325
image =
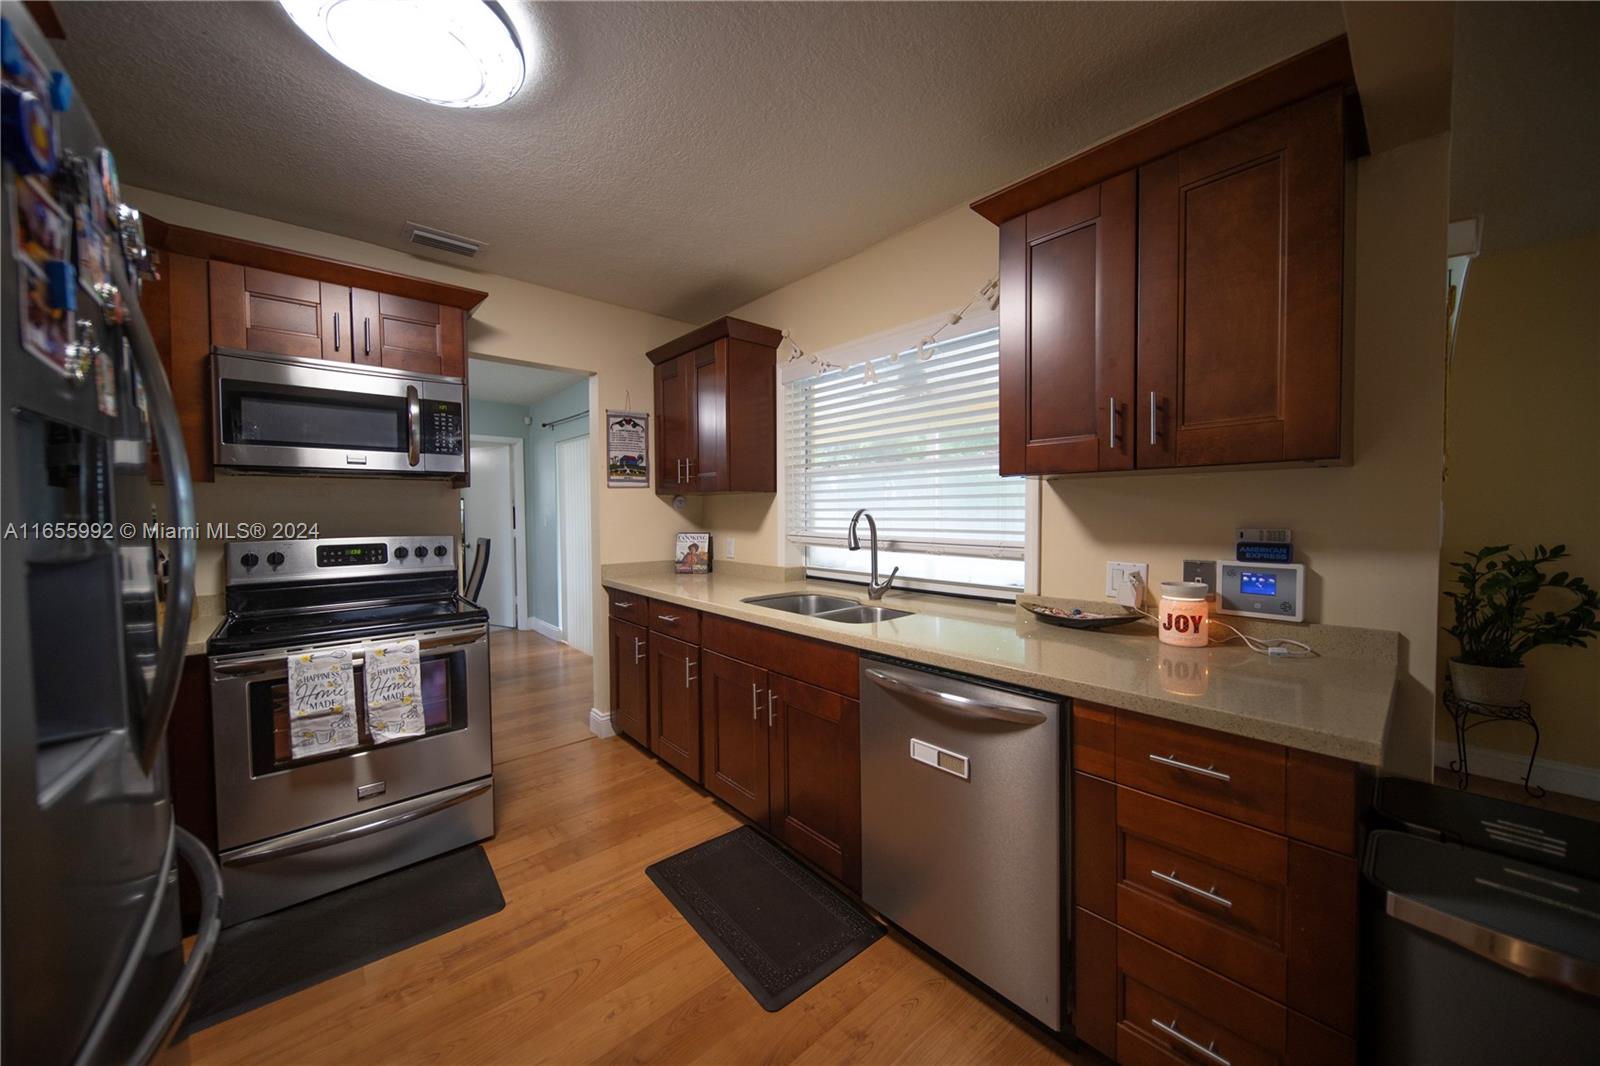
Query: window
pixel 919 448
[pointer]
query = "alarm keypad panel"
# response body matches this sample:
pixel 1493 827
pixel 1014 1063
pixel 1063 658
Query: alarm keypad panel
pixel 1261 590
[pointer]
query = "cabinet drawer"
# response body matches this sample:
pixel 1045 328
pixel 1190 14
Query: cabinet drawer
pixel 815 662
pixel 1230 776
pixel 1209 888
pixel 680 622
pixel 1172 1011
pixel 629 607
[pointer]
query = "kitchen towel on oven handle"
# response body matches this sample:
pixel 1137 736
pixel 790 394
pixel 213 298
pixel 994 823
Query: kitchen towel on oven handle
pixel 394 690
pixel 322 703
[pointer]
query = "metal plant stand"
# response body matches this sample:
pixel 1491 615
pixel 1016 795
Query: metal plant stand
pixel 1463 712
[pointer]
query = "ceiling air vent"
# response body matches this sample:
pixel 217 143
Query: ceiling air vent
pixel 439 241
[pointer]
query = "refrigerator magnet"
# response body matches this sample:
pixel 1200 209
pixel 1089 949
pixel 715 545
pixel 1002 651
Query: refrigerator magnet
pixel 94 258
pixel 42 328
pixel 105 383
pixel 41 228
pixel 110 189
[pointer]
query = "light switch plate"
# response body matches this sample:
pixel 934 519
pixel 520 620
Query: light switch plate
pixel 1119 588
pixel 1203 571
pixel 727 547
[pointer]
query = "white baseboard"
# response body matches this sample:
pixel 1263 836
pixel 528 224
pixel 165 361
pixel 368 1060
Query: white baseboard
pixel 600 723
pixel 1550 775
pixel 543 628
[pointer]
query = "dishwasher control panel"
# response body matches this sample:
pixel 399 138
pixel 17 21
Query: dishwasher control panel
pixel 941 758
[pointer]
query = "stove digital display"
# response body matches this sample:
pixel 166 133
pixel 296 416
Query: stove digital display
pixel 352 554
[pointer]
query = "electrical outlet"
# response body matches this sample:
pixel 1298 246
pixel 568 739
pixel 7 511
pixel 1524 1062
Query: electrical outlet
pixel 1119 588
pixel 727 547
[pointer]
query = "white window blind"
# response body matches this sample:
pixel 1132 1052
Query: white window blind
pixel 919 448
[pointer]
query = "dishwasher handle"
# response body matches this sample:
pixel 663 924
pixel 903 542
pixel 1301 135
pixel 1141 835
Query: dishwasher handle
pixel 953 702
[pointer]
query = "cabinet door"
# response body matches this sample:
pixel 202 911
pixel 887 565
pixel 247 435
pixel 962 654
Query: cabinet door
pixel 630 680
pixel 675 412
pixel 734 719
pixel 675 703
pixel 816 775
pixel 405 334
pixel 263 311
pixel 1240 262
pixel 708 454
pixel 1067 333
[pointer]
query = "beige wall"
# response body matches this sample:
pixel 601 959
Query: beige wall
pixel 1524 460
pixel 1368 532
pixel 518 322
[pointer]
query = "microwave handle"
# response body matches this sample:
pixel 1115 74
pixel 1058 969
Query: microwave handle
pixel 413 425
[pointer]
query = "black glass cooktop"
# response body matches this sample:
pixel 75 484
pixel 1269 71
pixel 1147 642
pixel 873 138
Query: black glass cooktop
pixel 281 617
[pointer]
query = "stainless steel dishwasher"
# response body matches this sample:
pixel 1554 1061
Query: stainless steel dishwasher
pixel 964 822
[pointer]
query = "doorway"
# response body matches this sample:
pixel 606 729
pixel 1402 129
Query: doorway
pixel 492 519
pixel 575 546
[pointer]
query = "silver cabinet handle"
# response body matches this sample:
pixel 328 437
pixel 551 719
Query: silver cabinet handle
pixel 688 469
pixel 336 331
pixel 1210 1052
pixel 366 336
pixel 1111 410
pixel 755 700
pixel 638 650
pixel 321 836
pixel 688 679
pixel 624 603
pixel 772 707
pixel 669 618
pixel 1154 407
pixel 1178 764
pixel 1204 893
pixel 413 425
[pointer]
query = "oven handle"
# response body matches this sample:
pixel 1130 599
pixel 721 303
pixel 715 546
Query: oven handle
pixel 413 425
pixel 326 836
pixel 273 662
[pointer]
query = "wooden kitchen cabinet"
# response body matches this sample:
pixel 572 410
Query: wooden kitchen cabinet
pixel 1067 333
pixel 265 311
pixel 405 334
pixel 1174 297
pixel 734 721
pixel 1240 282
pixel 630 679
pixel 815 756
pixel 675 703
pixel 716 406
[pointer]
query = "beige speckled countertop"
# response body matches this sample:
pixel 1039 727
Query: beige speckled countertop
pixel 1337 704
pixel 207 616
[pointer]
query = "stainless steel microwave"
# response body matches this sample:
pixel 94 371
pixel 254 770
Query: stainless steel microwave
pixel 285 414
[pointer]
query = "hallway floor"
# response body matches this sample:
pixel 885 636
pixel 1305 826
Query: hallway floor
pixel 589 962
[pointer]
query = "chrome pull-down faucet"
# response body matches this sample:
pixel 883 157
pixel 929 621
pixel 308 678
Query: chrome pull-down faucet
pixel 875 590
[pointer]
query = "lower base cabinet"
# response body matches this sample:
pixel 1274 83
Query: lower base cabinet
pixel 815 751
pixel 734 715
pixel 675 703
pixel 630 680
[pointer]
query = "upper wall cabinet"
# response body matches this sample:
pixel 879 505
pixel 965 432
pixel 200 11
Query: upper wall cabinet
pixel 716 407
pixel 218 292
pixel 1173 298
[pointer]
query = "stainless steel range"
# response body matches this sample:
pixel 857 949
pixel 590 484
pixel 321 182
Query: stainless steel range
pixel 293 825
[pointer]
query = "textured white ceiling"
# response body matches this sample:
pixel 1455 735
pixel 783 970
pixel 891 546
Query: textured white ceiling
pixel 677 158
pixel 516 382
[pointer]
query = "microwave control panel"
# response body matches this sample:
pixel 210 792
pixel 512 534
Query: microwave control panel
pixel 441 427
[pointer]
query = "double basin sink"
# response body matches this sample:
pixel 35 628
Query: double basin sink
pixel 832 608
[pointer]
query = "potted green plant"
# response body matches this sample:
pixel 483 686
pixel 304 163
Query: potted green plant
pixel 1496 622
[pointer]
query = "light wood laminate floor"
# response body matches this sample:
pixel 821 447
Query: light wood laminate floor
pixel 589 962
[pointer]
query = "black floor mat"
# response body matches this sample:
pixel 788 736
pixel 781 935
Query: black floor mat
pixel 269 957
pixel 778 927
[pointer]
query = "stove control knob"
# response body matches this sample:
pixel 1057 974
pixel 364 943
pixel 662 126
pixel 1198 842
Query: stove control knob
pixel 274 559
pixel 249 559
pixel 440 550
pixel 401 552
pixel 420 551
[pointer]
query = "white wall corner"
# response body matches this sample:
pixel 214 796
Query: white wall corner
pixel 600 723
pixel 543 628
pixel 1566 778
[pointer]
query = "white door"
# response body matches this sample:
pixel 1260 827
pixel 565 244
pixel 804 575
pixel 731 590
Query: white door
pixel 486 512
pixel 576 547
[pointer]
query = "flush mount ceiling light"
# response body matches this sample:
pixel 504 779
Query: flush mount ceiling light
pixel 455 53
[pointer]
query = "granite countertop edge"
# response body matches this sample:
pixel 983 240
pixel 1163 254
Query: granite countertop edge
pixel 1363 745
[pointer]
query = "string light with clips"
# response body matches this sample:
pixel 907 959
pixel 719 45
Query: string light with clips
pixel 1275 647
pixel 988 295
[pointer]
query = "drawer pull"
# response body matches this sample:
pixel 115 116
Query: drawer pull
pixel 624 603
pixel 1204 893
pixel 670 619
pixel 1178 764
pixel 638 650
pixel 1209 1051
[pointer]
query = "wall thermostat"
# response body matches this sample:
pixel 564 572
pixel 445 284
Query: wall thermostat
pixel 1262 590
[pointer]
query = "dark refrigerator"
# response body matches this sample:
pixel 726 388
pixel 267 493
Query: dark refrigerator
pixel 92 627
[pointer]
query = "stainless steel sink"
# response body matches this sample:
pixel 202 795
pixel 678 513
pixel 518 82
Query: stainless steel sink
pixel 858 614
pixel 803 603
pixel 833 608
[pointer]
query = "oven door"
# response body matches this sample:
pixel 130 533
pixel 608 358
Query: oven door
pixel 279 412
pixel 262 792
